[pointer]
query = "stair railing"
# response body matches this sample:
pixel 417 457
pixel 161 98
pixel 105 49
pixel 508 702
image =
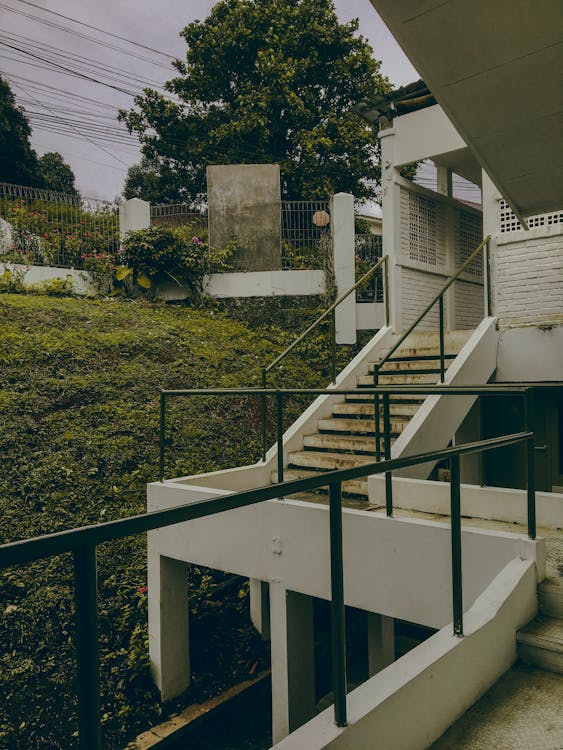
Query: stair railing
pixel 439 298
pixel 332 313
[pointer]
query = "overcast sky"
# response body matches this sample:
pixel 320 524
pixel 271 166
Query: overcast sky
pixel 76 116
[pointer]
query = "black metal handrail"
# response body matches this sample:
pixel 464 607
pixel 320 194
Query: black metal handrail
pixel 82 543
pixel 332 312
pixel 440 299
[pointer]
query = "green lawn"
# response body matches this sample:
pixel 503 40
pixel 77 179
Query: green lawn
pixel 79 396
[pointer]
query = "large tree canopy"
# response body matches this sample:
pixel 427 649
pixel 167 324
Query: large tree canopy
pixel 18 161
pixel 266 82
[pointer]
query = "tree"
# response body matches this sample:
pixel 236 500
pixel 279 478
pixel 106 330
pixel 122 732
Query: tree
pixel 18 160
pixel 152 180
pixel 56 174
pixel 265 82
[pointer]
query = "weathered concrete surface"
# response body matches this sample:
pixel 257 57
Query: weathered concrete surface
pixel 522 711
pixel 244 202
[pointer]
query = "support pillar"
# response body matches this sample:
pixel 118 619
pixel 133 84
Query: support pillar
pixel 293 662
pixel 381 642
pixel 260 606
pixel 344 249
pixel 134 214
pixel 168 624
pixel 391 206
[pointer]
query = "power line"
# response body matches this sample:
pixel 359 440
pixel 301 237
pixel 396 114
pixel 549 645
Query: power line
pixel 96 28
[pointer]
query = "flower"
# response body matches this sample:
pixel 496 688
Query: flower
pixel 197 241
pixel 143 589
pixel 121 251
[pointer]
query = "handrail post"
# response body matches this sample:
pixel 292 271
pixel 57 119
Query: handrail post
pixel 264 415
pixel 387 447
pixel 442 353
pixel 333 347
pixel 87 655
pixel 279 425
pixel 337 606
pixel 386 289
pixel 455 516
pixel 377 427
pixel 162 436
pixel 530 466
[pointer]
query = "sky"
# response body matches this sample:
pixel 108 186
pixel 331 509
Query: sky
pixel 75 115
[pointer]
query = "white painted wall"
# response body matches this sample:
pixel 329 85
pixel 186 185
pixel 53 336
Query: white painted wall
pixel 530 354
pixel 495 503
pixel 134 214
pixel 393 566
pixel 343 245
pixel 81 280
pixel 265 284
pixel 412 702
pixel 424 134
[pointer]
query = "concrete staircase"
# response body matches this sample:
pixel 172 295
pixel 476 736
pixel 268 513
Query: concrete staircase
pixel 347 438
pixel 540 643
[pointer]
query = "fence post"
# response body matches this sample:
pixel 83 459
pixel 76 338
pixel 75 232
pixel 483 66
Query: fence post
pixel 134 214
pixel 343 248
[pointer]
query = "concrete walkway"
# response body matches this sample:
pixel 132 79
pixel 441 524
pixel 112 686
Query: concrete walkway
pixel 522 711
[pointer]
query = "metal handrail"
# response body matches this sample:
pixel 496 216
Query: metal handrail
pixel 82 543
pixel 440 298
pixel 330 311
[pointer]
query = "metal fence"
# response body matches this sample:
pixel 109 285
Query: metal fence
pixel 305 234
pixel 178 215
pixel 368 250
pixel 44 227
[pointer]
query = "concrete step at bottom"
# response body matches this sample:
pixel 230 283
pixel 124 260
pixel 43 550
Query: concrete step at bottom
pixel 321 498
pixel 541 643
pixel 353 487
pixel 550 597
pixel 346 443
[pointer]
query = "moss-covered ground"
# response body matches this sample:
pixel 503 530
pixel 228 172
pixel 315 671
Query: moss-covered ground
pixel 79 410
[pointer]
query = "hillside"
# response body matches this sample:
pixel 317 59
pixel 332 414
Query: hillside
pixel 79 441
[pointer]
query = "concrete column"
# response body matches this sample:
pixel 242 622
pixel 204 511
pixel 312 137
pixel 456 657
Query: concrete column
pixel 381 642
pixel 168 624
pixel 293 662
pixel 444 181
pixel 260 606
pixel 134 214
pixel 391 205
pixel 343 243
pixel 491 225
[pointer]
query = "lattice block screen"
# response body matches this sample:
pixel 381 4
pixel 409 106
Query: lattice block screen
pixel 423 229
pixel 509 222
pixel 468 234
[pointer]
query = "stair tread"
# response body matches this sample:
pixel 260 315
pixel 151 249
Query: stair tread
pixel 352 486
pixel 394 399
pixel 330 459
pixel 358 426
pixel 544 632
pixel 360 409
pixel 341 442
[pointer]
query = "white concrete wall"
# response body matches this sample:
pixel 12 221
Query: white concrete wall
pixel 412 702
pixel 370 316
pixel 424 134
pixel 495 503
pixel 439 417
pixel 81 280
pixel 265 284
pixel 344 248
pixel 530 354
pixel 134 214
pixel 395 567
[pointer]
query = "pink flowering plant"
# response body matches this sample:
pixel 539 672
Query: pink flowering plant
pixel 159 253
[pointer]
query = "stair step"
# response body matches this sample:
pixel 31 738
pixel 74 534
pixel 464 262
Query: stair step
pixel 347 443
pixel 321 498
pixel 399 411
pixel 419 358
pixel 399 400
pixel 423 365
pixel 541 643
pixel 352 487
pixel 327 461
pixel 400 379
pixel 550 597
pixel 359 426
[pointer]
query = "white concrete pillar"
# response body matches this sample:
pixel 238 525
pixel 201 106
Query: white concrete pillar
pixel 444 181
pixel 343 244
pixel 293 662
pixel 134 214
pixel 381 642
pixel 491 226
pixel 391 206
pixel 168 624
pixel 260 606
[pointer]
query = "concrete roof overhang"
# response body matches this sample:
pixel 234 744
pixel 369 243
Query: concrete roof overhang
pixel 494 67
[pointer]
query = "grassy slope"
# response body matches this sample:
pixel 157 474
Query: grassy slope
pixel 79 441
